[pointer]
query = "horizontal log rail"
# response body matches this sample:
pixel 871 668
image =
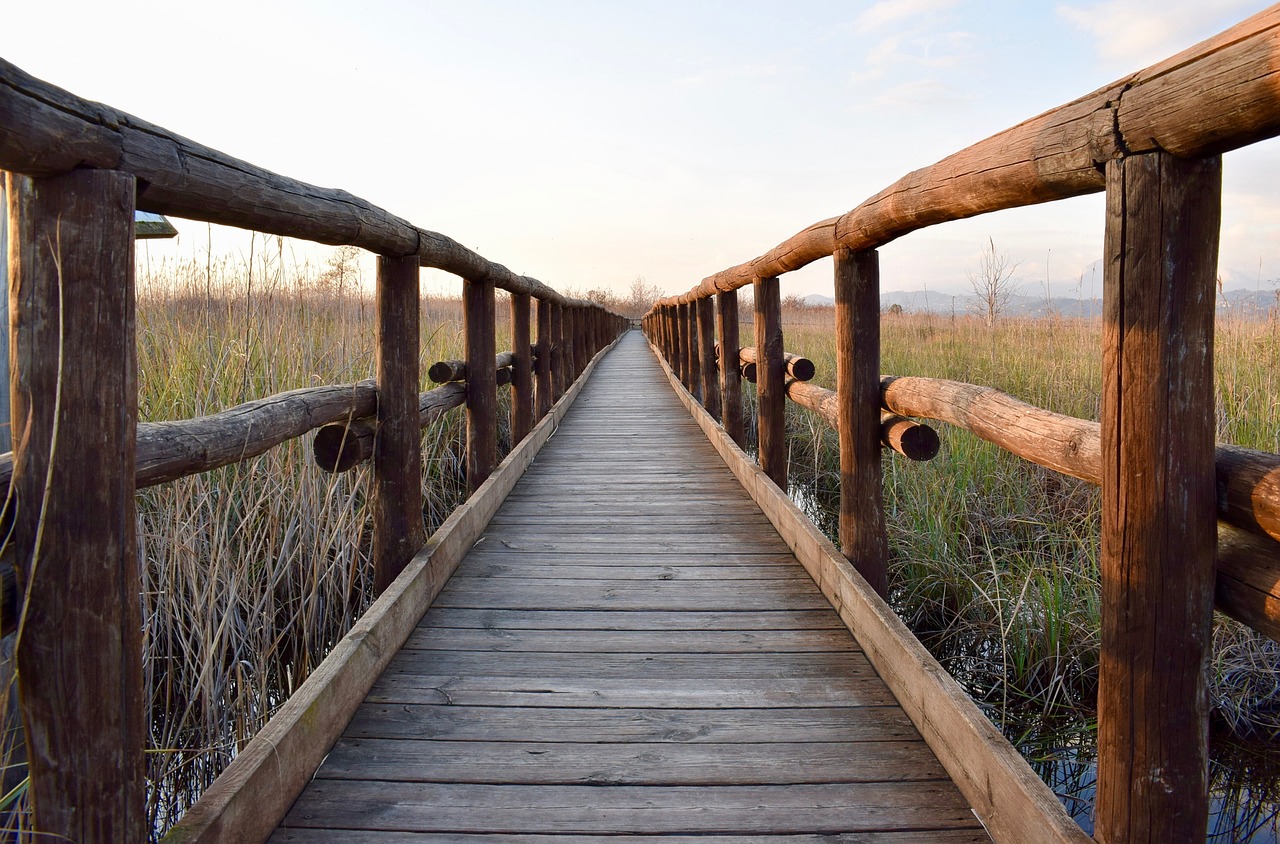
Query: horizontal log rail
pixel 445 371
pixel 342 446
pixel 905 436
pixel 796 367
pixel 1248 481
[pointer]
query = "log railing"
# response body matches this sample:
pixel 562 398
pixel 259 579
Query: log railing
pixel 77 171
pixel 1153 142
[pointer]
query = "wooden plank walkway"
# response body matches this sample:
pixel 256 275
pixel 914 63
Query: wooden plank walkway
pixel 632 650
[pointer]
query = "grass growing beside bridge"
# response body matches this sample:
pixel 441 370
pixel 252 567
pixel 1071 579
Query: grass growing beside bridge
pixel 995 560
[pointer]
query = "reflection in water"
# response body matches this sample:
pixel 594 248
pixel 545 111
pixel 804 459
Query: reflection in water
pixel 1061 748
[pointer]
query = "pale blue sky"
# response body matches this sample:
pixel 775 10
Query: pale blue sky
pixel 587 143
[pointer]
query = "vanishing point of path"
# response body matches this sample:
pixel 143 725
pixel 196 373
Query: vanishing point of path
pixel 630 649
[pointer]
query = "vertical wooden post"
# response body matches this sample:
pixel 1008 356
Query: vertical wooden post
pixel 545 388
pixel 695 349
pixel 862 524
pixel 770 387
pixel 397 453
pixel 581 344
pixel 707 354
pixel 557 352
pixel 730 374
pixel 71 293
pixel 478 312
pixel 1158 509
pixel 521 369
pixel 677 343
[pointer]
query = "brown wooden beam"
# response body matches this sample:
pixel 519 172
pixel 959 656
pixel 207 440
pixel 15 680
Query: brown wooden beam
pixel 478 313
pixel 545 391
pixel 74 409
pixel 1158 525
pixel 730 376
pixel 771 386
pixel 863 540
pixel 521 369
pixel 397 455
pixel 706 353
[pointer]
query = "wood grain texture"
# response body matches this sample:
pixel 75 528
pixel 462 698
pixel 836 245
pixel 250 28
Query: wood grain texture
pixel 907 437
pixel 730 376
pixel 1158 534
pixel 771 386
pixel 341 447
pixel 478 314
pixel 1013 803
pixel 863 539
pixel 255 791
pixel 545 389
pixel 706 354
pixel 397 452
pixel 796 367
pixel 586 639
pixel 74 403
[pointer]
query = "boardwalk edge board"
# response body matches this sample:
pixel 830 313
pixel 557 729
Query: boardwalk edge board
pixel 1012 802
pixel 250 798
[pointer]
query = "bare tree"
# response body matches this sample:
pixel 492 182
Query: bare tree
pixel 641 297
pixel 993 284
pixel 993 287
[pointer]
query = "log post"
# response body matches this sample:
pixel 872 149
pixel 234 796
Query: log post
pixel 863 540
pixel 478 312
pixel 678 331
pixel 521 369
pixel 730 375
pixel 557 352
pixel 770 384
pixel 545 392
pixel 79 653
pixel 1158 530
pixel 695 350
pixel 397 454
pixel 707 354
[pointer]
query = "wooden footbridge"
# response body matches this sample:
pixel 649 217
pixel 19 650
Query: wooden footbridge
pixel 628 629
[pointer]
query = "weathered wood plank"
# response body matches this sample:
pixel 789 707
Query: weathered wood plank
pixel 523 619
pixel 363 836
pixel 629 665
pixel 588 642
pixel 646 692
pixel 664 595
pixel 614 763
pixel 630 809
pixel 700 726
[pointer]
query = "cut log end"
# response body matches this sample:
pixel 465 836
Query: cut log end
pixel 339 448
pixel 909 438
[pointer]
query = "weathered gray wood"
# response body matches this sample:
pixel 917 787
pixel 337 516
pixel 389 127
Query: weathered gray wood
pixel 1015 805
pixel 635 724
pixel 631 809
pixel 339 448
pixel 617 763
pixel 525 619
pixel 326 836
pixel 730 376
pixel 632 641
pixel 397 452
pixel 1158 535
pixel 771 387
pixel 256 790
pixel 478 314
pixel 74 404
pixel 863 539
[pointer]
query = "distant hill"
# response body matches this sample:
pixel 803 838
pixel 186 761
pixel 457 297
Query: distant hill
pixel 1243 304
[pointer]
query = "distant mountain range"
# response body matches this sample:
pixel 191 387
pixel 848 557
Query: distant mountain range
pixel 1245 304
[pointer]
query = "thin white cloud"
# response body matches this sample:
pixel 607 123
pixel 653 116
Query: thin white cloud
pixel 892 11
pixel 1136 33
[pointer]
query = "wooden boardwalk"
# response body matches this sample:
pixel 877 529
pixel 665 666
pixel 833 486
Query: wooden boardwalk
pixel 630 649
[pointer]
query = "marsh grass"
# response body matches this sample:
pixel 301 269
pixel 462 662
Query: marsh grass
pixel 253 572
pixel 994 561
